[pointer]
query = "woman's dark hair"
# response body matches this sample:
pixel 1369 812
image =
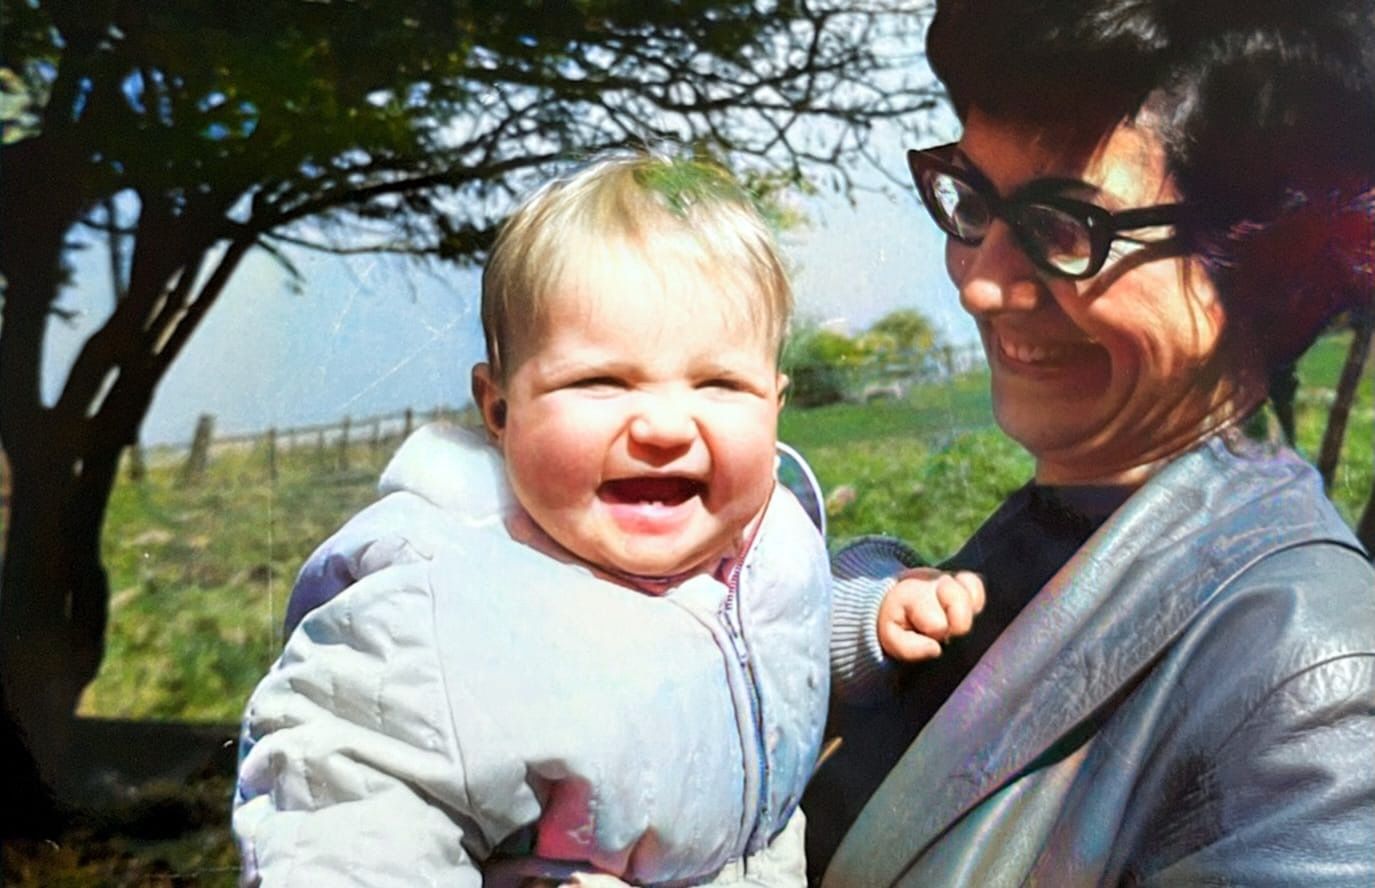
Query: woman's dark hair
pixel 1265 108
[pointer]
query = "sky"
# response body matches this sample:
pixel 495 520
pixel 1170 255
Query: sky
pixel 370 335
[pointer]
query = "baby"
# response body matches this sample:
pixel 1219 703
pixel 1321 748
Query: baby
pixel 593 645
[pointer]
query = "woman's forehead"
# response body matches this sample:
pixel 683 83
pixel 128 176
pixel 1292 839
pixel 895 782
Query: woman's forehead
pixel 1124 161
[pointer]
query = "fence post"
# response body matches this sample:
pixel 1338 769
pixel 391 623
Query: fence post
pixel 138 468
pixel 376 435
pixel 320 445
pixel 410 423
pixel 342 462
pixel 949 354
pixel 199 457
pixel 271 445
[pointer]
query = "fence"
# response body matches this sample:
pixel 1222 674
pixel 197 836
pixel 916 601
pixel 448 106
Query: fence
pixel 818 380
pixel 332 442
pixel 894 377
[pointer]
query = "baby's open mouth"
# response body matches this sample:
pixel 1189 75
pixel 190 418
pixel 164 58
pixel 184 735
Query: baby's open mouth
pixel 668 491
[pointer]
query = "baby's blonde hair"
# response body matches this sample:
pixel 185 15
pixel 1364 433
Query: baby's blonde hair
pixel 694 208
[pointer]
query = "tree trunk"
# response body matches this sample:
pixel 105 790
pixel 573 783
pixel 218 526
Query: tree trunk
pixel 37 575
pixel 1284 386
pixel 1330 453
pixel 53 611
pixel 53 589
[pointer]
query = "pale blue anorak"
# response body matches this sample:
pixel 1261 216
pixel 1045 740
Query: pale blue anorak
pixel 455 708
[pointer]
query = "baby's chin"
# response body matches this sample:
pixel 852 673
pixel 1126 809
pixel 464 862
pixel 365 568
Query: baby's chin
pixel 658 570
pixel 654 572
pixel 650 573
pixel 648 561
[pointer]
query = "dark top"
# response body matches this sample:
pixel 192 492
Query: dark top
pixel 1021 546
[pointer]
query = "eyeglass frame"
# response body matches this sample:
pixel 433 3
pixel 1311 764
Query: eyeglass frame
pixel 1102 225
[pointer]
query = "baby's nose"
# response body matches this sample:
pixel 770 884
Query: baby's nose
pixel 662 422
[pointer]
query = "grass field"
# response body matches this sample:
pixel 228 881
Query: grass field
pixel 931 468
pixel 200 572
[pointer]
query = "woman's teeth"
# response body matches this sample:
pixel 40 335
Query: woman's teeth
pixel 1027 353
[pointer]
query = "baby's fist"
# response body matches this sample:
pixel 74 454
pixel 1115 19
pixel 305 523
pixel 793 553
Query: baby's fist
pixel 926 608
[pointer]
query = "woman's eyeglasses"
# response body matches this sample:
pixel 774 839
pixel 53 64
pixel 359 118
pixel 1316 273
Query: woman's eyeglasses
pixel 1062 236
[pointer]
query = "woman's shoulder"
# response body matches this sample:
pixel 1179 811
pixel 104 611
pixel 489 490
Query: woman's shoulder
pixel 1290 640
pixel 1240 551
pixel 1298 588
pixel 1309 602
pixel 1264 736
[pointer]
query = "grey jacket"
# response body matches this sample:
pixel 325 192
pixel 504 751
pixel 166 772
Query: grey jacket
pixel 1190 701
pixel 454 708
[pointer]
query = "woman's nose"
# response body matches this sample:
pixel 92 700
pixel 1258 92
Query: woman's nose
pixel 994 276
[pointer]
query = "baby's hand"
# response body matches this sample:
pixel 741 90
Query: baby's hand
pixel 924 609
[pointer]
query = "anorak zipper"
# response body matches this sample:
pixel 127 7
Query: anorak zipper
pixel 735 630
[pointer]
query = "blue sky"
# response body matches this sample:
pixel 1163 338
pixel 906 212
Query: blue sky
pixel 376 334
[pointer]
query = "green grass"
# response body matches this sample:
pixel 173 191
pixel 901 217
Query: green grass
pixel 1318 375
pixel 200 573
pixel 168 836
pixel 931 413
pixel 927 469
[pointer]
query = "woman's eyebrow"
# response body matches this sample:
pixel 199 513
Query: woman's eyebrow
pixel 1048 186
pixel 1052 186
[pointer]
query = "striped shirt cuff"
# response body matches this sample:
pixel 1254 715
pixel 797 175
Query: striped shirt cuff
pixel 863 572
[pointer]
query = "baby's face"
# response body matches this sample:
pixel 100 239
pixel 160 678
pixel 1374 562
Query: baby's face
pixel 640 421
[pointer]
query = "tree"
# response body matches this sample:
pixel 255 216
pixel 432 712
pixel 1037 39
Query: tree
pixel 900 340
pixel 183 135
pixel 909 330
pixel 816 361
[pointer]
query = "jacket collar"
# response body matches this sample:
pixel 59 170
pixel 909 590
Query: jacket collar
pixel 1087 637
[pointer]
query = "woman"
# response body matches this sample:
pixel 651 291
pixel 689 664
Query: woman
pixel 1153 209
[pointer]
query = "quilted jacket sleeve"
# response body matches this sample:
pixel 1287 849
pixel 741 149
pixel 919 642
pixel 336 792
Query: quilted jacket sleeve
pixel 350 771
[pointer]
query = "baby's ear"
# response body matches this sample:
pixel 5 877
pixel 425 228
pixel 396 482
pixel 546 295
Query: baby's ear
pixel 490 400
pixel 783 383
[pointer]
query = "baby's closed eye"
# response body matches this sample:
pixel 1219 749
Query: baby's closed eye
pixel 597 382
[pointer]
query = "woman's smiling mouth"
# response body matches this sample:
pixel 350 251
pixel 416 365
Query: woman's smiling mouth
pixel 1018 353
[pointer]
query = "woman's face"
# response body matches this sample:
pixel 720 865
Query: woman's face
pixel 1102 377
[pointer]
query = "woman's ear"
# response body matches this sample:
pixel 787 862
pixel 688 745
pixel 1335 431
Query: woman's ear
pixel 490 400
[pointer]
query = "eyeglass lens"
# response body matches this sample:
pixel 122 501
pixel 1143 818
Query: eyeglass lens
pixel 1053 237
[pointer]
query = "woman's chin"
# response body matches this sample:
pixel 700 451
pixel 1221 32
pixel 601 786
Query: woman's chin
pixel 1050 425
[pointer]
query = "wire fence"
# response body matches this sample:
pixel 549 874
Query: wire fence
pixel 334 443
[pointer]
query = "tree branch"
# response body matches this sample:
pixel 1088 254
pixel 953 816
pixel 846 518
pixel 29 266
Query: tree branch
pixel 354 250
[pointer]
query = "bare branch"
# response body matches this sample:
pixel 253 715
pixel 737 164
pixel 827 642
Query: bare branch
pixel 394 247
pixel 115 242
